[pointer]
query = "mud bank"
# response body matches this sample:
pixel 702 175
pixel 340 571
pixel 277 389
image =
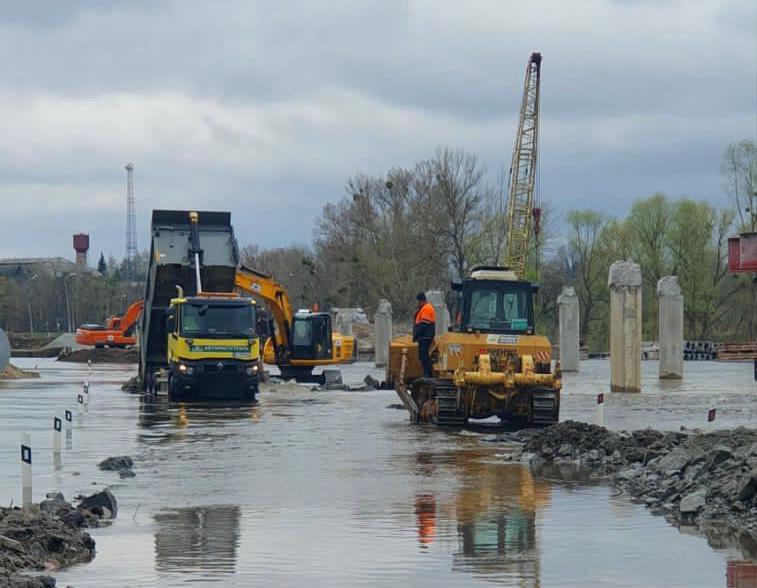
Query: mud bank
pixel 693 478
pixel 101 355
pixel 11 372
pixel 49 536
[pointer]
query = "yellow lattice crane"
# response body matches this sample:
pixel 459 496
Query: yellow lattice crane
pixel 521 211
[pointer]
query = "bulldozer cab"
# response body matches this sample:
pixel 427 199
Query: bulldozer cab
pixel 311 335
pixel 492 300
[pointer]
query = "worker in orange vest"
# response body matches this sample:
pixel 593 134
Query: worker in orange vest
pixel 424 329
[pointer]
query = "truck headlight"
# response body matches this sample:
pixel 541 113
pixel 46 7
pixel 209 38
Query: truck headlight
pixel 186 369
pixel 252 370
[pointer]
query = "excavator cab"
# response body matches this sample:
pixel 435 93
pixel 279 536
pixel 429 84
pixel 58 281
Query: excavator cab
pixel 311 335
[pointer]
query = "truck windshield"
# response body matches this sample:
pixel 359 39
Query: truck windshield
pixel 219 320
pixel 504 307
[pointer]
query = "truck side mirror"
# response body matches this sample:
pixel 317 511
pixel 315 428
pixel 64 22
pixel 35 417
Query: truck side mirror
pixel 171 323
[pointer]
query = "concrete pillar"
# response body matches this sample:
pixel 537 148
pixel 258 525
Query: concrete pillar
pixel 671 328
pixel 624 281
pixel 382 332
pixel 436 298
pixel 343 321
pixel 570 330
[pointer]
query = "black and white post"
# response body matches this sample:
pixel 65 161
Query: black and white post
pixel 26 470
pixel 68 417
pixel 57 429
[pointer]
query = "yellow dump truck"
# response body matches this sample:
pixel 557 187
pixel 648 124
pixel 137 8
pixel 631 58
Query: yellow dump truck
pixel 197 336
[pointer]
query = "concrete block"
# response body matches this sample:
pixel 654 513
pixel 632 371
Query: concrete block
pixel 436 298
pixel 567 303
pixel 671 328
pixel 624 280
pixel 382 331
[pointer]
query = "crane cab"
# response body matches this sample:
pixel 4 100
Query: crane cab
pixel 311 336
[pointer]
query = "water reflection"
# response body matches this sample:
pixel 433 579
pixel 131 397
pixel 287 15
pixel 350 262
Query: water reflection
pixel 493 512
pixel 197 538
pixel 171 418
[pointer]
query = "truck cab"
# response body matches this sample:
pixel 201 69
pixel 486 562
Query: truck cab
pixel 213 347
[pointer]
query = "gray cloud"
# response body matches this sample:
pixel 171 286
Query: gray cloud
pixel 264 108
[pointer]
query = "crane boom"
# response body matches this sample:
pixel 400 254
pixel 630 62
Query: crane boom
pixel 520 203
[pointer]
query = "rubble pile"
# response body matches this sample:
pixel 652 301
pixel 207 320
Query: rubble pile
pixel 107 355
pixel 48 536
pixel 692 477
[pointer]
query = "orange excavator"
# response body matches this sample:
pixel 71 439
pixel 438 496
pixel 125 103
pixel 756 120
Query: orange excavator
pixel 119 331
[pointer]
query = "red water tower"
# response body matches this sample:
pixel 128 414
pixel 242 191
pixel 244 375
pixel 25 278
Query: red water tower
pixel 81 246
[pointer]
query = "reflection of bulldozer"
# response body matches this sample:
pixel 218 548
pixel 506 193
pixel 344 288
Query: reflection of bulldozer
pixel 492 363
pixel 495 515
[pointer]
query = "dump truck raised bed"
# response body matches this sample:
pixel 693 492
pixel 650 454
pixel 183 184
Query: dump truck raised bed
pixel 197 336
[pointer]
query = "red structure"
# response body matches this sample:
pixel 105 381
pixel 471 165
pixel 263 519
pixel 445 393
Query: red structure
pixel 742 253
pixel 81 246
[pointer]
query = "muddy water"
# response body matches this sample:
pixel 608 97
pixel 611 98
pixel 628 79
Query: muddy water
pixel 334 489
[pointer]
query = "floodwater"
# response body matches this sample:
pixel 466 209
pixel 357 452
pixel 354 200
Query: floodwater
pixel 335 489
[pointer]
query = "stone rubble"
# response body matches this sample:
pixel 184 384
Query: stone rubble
pixel 49 536
pixel 691 477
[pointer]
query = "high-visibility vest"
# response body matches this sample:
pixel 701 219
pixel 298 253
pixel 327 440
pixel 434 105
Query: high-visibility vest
pixel 425 314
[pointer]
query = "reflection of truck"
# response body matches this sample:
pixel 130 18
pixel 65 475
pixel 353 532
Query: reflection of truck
pixel 119 331
pixel 196 335
pixel 300 341
pixel 492 363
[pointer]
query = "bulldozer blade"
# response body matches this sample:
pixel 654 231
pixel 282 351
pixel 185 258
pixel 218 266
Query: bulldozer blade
pixel 408 402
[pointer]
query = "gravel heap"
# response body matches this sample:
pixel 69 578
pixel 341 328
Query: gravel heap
pixel 48 536
pixel 692 477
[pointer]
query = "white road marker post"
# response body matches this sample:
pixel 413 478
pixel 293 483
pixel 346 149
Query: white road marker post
pixel 601 409
pixel 86 396
pixel 69 420
pixel 57 428
pixel 26 470
pixel 79 404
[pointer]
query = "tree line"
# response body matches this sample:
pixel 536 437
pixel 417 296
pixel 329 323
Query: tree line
pixel 420 227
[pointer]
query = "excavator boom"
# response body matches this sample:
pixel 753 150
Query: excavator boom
pixel 274 294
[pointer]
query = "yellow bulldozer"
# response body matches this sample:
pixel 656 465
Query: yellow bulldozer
pixel 491 362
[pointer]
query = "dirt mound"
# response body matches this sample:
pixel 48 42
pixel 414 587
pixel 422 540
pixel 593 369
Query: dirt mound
pixel 691 477
pixel 43 537
pixel 95 355
pixel 11 372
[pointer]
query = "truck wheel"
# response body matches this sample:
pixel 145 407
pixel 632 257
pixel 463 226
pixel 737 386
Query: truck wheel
pixel 173 391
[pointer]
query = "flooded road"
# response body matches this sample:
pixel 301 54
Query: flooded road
pixel 334 489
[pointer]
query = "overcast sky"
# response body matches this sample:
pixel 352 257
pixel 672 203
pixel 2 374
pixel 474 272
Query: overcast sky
pixel 264 108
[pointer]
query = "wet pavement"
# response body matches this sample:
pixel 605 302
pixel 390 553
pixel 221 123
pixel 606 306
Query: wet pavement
pixel 334 489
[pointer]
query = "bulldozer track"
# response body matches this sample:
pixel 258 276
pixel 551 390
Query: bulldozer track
pixel 450 411
pixel 545 407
